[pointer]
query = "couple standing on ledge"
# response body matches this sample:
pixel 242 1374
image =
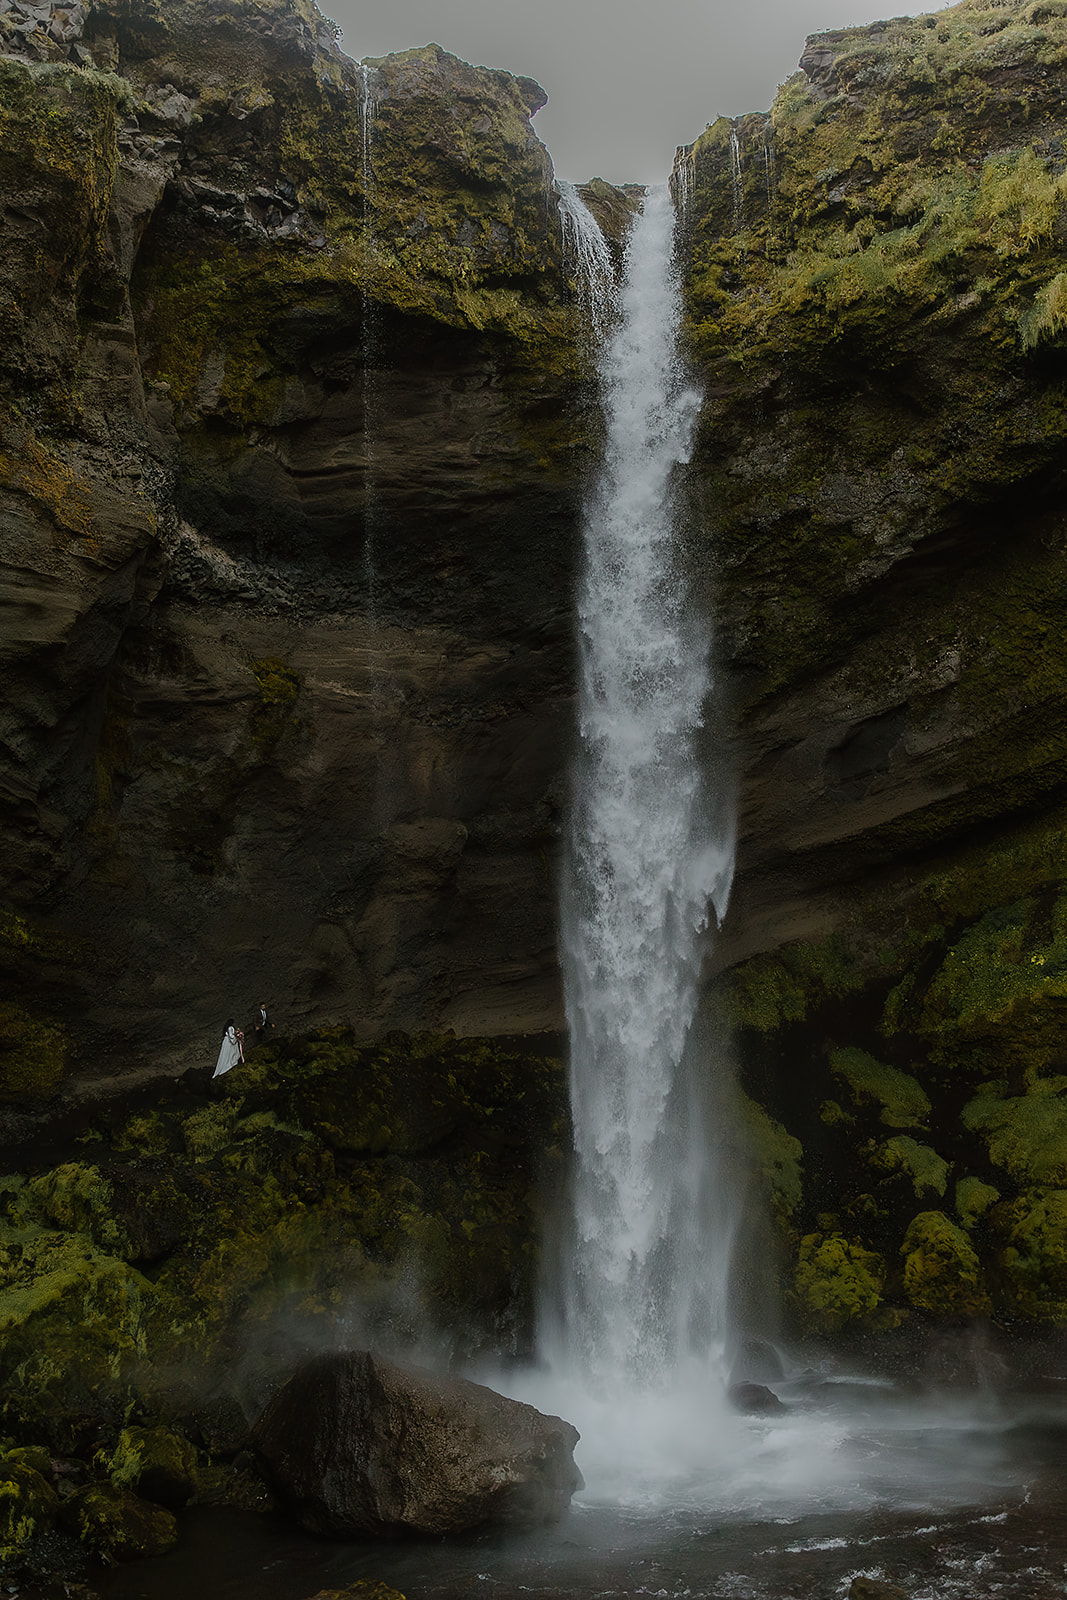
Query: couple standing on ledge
pixel 232 1049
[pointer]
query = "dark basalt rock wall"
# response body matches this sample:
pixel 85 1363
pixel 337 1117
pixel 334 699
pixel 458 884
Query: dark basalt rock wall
pixel 292 438
pixel 875 273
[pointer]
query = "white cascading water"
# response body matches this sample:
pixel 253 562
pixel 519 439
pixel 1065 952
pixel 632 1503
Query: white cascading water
pixel 586 250
pixel 634 1336
pixel 643 873
pixel 633 1323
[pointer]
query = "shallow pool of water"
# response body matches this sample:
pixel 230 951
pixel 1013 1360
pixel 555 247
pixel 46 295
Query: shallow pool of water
pixel 960 1501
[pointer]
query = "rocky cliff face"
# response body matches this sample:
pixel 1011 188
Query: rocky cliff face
pixel 877 281
pixel 292 433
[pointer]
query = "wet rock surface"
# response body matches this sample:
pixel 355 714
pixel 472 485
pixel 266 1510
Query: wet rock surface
pixel 287 534
pixel 873 277
pixel 361 1447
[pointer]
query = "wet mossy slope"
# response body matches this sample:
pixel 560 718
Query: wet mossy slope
pixel 163 1264
pixel 877 296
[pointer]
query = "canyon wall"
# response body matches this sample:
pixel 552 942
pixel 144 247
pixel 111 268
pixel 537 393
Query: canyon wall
pixel 293 429
pixel 295 418
pixel 877 289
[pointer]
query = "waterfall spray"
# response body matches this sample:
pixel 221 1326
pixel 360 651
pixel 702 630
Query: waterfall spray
pixel 641 1287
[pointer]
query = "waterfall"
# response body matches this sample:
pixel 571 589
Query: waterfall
pixel 683 182
pixel 737 182
pixel 586 249
pixel 641 1289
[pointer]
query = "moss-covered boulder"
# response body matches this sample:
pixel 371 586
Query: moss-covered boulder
pixel 29 1507
pixel 1026 1135
pixel 942 1273
pixel 1031 1264
pixel 838 1283
pixel 73 1323
pixel 117 1525
pixel 157 1463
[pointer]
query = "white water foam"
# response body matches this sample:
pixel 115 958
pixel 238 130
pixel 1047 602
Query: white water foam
pixel 586 250
pixel 642 1285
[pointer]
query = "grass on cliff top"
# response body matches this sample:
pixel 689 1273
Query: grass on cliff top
pixel 929 182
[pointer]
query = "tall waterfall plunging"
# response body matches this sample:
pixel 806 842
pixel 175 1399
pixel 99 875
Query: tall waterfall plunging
pixel 643 1280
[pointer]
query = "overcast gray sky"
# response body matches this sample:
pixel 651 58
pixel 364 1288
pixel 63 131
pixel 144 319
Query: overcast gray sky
pixel 627 80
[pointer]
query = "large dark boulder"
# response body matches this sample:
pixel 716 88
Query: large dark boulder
pixel 359 1446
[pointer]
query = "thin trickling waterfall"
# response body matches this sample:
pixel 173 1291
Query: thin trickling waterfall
pixel 640 1287
pixel 737 183
pixel 684 180
pixel 586 250
pixel 370 330
pixel 367 107
pixel 768 171
pixel 380 688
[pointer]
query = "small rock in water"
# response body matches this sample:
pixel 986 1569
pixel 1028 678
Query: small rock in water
pixel 754 1398
pixel 874 1589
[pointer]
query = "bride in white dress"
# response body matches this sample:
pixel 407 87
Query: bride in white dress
pixel 231 1052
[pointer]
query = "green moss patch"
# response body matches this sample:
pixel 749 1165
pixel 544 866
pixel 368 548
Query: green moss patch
pixel 777 1155
pixel 785 987
pixel 838 1282
pixel 1026 1135
pixel 159 1464
pixel 34 1054
pixel 118 1525
pixel 973 1200
pixel 926 1170
pixel 902 1100
pixel 1032 1232
pixel 942 1273
pixel 29 1507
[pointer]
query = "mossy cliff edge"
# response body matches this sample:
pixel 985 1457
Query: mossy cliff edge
pixel 293 421
pixel 877 282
